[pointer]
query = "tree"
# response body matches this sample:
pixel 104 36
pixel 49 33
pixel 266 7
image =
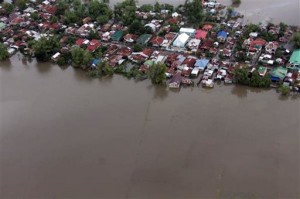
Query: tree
pixel 136 27
pixel 241 76
pixel 125 11
pixel 34 16
pixel 236 2
pixel 3 52
pixel 284 90
pixel 7 7
pixel 45 47
pixel 53 19
pixel 146 8
pixel 296 39
pixel 96 9
pixel 194 12
pixel 157 73
pixel 71 17
pixel 137 48
pixel 62 6
pixel 21 4
pixel 156 7
pixel 80 58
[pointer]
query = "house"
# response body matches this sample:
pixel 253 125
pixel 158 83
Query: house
pixel 144 39
pixel 201 34
pixel 2 26
pixel 79 42
pixel 181 40
pixel 271 47
pixel 193 44
pixel 93 45
pixel 130 38
pixel 201 64
pixel 257 44
pixel 156 41
pixel 207 27
pixel 175 82
pixel 124 51
pixel 222 36
pixel 262 71
pixel 117 35
pixel 95 63
pixel 55 57
pixel 189 31
pixel 278 74
pixel 168 38
pixel 206 45
pixel 295 59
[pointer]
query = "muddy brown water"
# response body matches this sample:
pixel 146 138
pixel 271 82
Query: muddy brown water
pixel 255 11
pixel 63 135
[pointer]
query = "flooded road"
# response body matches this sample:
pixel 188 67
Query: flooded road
pixel 255 11
pixel 63 135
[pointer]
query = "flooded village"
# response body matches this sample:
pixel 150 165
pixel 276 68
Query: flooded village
pixel 222 48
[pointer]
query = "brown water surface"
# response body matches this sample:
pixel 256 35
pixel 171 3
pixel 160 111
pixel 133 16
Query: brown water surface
pixel 63 135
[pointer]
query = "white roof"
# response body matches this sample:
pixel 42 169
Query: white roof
pixel 181 40
pixel 187 30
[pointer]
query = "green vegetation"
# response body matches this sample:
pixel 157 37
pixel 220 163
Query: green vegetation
pixel 80 58
pixel 125 11
pixel 137 48
pixel 146 8
pixel 21 4
pixel 7 7
pixel 241 76
pixel 3 52
pixel 296 39
pixel 45 47
pixel 103 68
pixel 99 11
pixel 194 12
pixel 157 73
pixel 284 90
pixel 136 27
pixel 236 2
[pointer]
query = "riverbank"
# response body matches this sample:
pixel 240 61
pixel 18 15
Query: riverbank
pixel 217 50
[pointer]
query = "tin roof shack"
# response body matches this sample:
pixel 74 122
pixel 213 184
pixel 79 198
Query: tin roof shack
pixel 222 36
pixel 144 39
pixel 130 38
pixel 201 34
pixel 175 82
pixel 93 45
pixel 193 45
pixel 262 71
pixel 278 74
pixel 201 64
pixel 271 47
pixel 168 38
pixel 295 60
pixel 156 41
pixel 117 36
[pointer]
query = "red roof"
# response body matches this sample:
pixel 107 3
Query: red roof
pixel 93 45
pixel 189 62
pixel 200 34
pixel 79 41
pixel 50 9
pixel 156 40
pixel 147 52
pixel 258 42
pixel 207 27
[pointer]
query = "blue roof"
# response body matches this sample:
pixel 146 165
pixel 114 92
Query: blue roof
pixel 234 13
pixel 95 62
pixel 201 63
pixel 222 34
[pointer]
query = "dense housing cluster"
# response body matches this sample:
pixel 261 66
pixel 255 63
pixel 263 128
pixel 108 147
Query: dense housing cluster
pixel 200 42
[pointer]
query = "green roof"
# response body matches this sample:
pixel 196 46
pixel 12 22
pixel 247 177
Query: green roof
pixel 149 63
pixel 279 72
pixel 2 25
pixel 262 69
pixel 117 35
pixel 143 39
pixel 295 58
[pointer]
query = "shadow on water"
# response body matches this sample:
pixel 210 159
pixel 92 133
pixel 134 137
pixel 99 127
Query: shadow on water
pixel 81 75
pixel 239 91
pixel 43 67
pixel 160 92
pixel 6 65
pixel 291 96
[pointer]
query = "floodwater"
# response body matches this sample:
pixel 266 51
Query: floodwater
pixel 255 11
pixel 63 135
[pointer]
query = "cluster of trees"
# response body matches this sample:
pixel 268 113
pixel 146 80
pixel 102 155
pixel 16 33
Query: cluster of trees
pixel 125 11
pixel 242 76
pixel 236 2
pixel 296 39
pixel 157 73
pixel 194 12
pixel 3 52
pixel 45 47
pixel 80 58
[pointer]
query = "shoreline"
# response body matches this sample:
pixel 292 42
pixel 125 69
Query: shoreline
pixel 222 54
